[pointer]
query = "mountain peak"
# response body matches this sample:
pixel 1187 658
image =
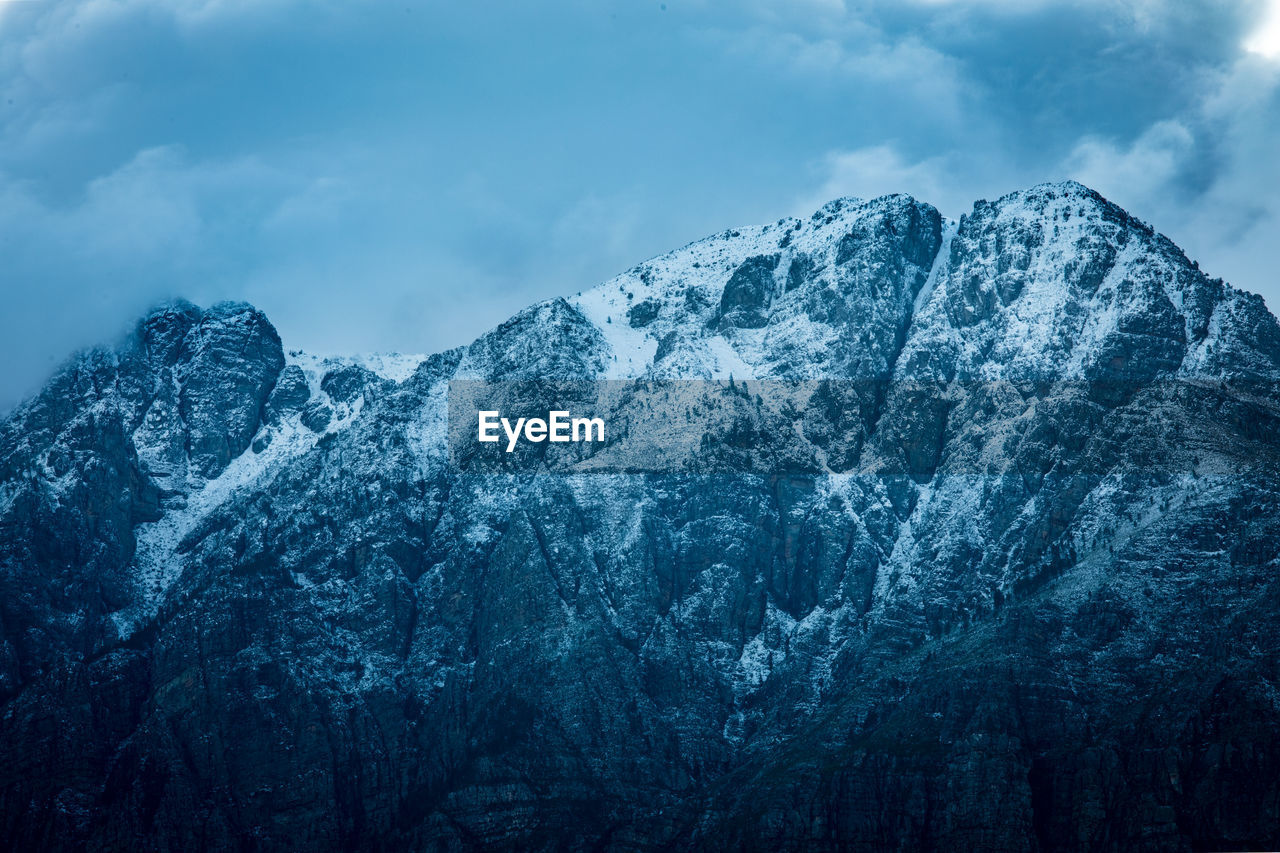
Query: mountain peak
pixel 205 546
pixel 1056 196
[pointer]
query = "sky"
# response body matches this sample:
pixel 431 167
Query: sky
pixel 402 177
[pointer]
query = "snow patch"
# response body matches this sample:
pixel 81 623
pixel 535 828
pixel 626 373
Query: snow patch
pixel 394 366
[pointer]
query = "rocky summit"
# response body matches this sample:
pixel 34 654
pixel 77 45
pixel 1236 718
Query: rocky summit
pixel 248 602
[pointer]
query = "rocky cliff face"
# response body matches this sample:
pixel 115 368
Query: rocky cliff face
pixel 1031 605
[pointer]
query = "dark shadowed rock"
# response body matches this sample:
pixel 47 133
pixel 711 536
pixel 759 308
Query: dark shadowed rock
pixel 235 357
pixel 290 394
pixel 744 303
pixel 643 313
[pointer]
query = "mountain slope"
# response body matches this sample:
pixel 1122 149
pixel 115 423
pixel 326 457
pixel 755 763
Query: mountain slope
pixel 248 600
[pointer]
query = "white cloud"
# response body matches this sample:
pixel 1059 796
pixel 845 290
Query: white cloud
pixel 1265 38
pixel 878 170
pixel 901 75
pixel 951 182
pixel 1142 171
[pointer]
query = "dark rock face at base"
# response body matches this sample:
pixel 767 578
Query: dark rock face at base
pixel 1039 614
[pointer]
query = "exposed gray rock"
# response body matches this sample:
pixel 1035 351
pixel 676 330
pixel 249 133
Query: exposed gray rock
pixel 350 382
pixel 235 357
pixel 643 313
pixel 748 293
pixel 316 416
pixel 290 394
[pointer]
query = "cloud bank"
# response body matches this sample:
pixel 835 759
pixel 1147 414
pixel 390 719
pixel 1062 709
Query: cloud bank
pixel 381 178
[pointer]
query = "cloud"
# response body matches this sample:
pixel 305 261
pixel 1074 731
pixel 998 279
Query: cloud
pixel 824 48
pixel 1265 39
pixel 1208 178
pixel 156 227
pixel 1204 172
pixel 389 176
pixel 882 170
pixel 1143 171
pixel 156 214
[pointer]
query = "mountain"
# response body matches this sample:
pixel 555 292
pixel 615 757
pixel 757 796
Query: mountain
pixel 1028 601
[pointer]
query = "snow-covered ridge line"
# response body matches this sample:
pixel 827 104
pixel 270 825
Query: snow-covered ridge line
pixel 666 317
pixel 682 314
pixel 394 366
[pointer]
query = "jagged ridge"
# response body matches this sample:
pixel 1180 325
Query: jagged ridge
pixel 262 608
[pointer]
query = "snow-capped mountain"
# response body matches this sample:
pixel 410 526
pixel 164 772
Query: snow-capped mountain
pixel 1029 600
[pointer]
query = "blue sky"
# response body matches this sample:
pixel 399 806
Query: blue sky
pixel 381 176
